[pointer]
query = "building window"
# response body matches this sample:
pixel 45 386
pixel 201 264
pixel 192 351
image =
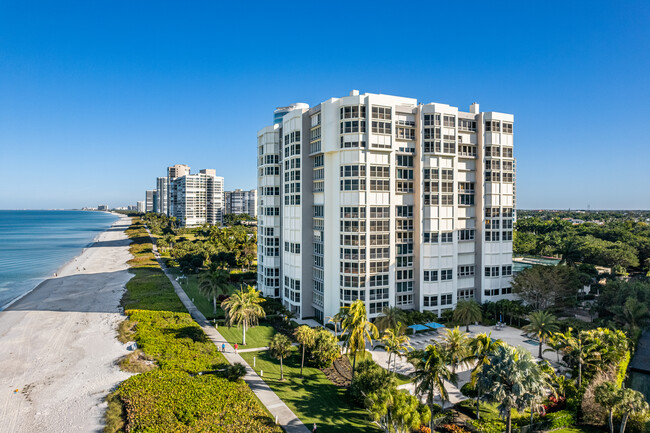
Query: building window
pixel 466 234
pixel 491 271
pixel 446 299
pixel 430 276
pixel 446 274
pixel 506 270
pixel 465 271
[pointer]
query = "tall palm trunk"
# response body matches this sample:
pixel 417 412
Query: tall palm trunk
pixel 509 422
pixel 354 362
pixel 624 421
pixel 243 333
pixel 467 327
pixel 611 420
pixel 302 363
pixel 281 370
pixel 541 343
pixel 478 407
pixel 214 304
pixel 579 373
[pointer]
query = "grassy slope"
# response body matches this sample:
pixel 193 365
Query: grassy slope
pixel 171 397
pixel 314 399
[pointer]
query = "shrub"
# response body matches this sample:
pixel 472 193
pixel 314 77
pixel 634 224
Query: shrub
pixel 325 349
pixel 487 426
pixel 453 428
pixel 164 401
pixel 235 372
pixel 622 369
pixel 559 419
pixel 369 378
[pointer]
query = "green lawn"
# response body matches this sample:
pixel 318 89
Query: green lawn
pixel 257 336
pixel 579 429
pixel 314 399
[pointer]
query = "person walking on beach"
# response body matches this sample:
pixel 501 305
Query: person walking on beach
pixel 236 347
pixel 223 347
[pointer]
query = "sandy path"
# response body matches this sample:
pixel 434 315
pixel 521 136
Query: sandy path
pixel 58 345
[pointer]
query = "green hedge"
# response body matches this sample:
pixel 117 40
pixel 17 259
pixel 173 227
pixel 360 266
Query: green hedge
pixel 487 426
pixel 559 419
pixel 174 401
pixel 622 369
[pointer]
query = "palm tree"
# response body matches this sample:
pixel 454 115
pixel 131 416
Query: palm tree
pixel 389 318
pixel 243 308
pixel 608 395
pixel 336 320
pixel 430 374
pixel 305 336
pixel 580 349
pixel 455 346
pixel 543 324
pixel 481 348
pixel 395 342
pixel 280 348
pixel 359 330
pixel 631 402
pixel 467 312
pixel 511 379
pixel 212 283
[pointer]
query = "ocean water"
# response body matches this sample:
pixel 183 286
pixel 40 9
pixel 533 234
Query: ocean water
pixel 34 244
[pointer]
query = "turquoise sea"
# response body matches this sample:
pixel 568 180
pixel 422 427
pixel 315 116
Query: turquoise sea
pixel 35 243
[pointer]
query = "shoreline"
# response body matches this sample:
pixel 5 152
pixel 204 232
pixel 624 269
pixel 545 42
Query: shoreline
pixel 59 270
pixel 58 347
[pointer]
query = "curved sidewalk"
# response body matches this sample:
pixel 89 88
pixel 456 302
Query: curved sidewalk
pixel 280 411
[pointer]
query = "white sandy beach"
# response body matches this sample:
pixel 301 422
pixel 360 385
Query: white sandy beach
pixel 58 344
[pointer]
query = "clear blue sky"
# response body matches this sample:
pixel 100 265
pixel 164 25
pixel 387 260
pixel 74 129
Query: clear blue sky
pixel 98 97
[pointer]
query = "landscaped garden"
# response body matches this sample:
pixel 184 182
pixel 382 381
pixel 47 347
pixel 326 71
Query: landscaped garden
pixel 186 384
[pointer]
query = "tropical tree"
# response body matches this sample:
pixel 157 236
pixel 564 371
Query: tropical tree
pixel 395 343
pixel 631 402
pixel 359 330
pixel 306 337
pixel 389 318
pixel 430 374
pixel 580 351
pixel 243 308
pixel 510 379
pixel 325 349
pixel 396 412
pixel 455 347
pixel 280 348
pixel 481 348
pixel 337 319
pixel 543 324
pixel 467 312
pixel 608 395
pixel 212 283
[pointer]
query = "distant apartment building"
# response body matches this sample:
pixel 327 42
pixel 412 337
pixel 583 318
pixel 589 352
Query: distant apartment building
pixel 150 200
pixel 162 202
pixel 173 172
pixel 197 199
pixel 384 199
pixel 241 202
pixel 103 207
pixel 140 207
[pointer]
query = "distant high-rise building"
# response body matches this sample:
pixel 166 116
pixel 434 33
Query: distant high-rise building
pixel 161 187
pixel 140 207
pixel 102 207
pixel 241 202
pixel 150 199
pixel 387 200
pixel 173 172
pixel 196 199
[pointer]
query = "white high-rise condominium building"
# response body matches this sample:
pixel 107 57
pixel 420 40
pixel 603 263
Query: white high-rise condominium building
pixel 174 171
pixel 196 199
pixel 241 202
pixel 150 200
pixel 384 199
pixel 140 207
pixel 161 186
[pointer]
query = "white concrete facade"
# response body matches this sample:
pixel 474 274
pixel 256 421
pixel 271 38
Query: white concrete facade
pixel 380 198
pixel 197 199
pixel 163 196
pixel 241 202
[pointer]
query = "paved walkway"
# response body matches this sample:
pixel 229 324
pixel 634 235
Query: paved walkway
pixel 284 416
